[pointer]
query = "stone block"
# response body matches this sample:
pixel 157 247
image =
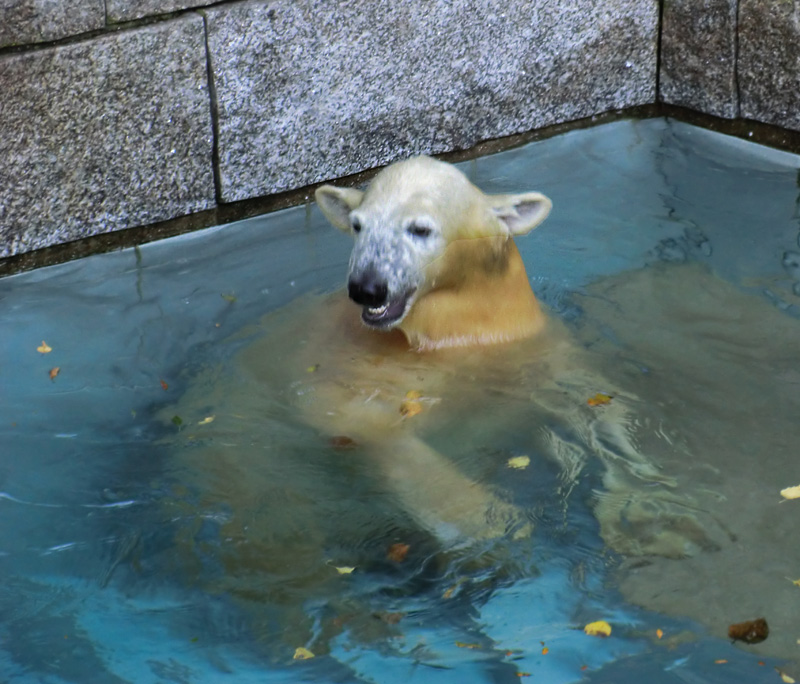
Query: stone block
pixel 35 21
pixel 769 61
pixel 698 55
pixel 104 134
pixel 308 90
pixel 125 10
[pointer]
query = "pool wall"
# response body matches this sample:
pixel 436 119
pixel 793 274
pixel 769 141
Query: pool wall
pixel 117 114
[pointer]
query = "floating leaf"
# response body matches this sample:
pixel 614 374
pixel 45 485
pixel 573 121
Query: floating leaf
pixel 398 552
pixel 44 348
pixel 206 420
pixel 721 661
pixel 751 631
pixel 164 385
pixel 599 399
pixel 523 674
pixel 345 569
pixel 473 647
pixel 519 462
pixel 301 653
pixel 410 407
pixel 791 492
pixel 54 372
pixel 785 677
pixel 599 628
pixel 545 650
pixel 659 633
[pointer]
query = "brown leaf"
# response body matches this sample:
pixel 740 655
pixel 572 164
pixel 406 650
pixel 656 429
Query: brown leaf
pixel 54 372
pixel 599 399
pixel 164 385
pixel 398 552
pixel 341 442
pixel 751 631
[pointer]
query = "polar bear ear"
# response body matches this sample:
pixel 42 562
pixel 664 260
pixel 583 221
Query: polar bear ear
pixel 520 213
pixel 337 203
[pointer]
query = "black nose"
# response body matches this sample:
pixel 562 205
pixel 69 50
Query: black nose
pixel 367 289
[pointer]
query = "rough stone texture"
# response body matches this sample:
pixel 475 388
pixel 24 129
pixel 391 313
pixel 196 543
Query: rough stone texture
pixel 307 92
pixel 126 10
pixel 698 55
pixel 34 21
pixel 104 134
pixel 769 61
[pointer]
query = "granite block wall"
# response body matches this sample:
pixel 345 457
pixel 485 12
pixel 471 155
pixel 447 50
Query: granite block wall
pixel 115 113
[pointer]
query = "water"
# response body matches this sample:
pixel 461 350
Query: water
pixel 141 542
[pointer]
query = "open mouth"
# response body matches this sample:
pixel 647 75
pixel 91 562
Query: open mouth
pixel 388 314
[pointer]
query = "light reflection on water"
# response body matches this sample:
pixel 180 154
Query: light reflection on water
pixel 115 568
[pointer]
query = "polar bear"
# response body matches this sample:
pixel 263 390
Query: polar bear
pixel 335 432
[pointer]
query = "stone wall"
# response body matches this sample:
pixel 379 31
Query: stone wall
pixel 117 113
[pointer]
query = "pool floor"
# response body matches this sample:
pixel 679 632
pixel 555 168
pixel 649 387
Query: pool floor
pixel 672 256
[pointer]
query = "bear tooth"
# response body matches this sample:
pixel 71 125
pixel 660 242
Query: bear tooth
pixel 378 310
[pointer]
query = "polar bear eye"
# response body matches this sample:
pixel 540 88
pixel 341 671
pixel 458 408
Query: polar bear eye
pixel 356 224
pixel 419 231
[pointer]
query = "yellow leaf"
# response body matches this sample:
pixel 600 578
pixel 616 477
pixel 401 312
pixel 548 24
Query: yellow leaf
pixel 519 462
pixel 413 395
pixel 786 678
pixel 795 582
pixel 44 348
pixel 791 492
pixel 301 653
pixel 312 369
pixel 545 650
pixel 598 628
pixel 344 569
pixel 599 399
pixel 206 420
pixel 410 407
pixel 659 633
pixel 473 647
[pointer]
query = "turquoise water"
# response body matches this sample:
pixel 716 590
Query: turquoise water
pixel 96 588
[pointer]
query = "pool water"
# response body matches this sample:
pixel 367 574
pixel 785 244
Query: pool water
pixel 145 539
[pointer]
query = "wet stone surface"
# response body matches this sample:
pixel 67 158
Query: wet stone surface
pixel 104 134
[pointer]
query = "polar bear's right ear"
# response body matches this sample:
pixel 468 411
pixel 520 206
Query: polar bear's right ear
pixel 521 213
pixel 337 203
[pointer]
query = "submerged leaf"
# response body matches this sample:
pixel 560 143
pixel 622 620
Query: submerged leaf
pixel 599 628
pixel 519 462
pixel 301 653
pixel 751 631
pixel 54 372
pixel 791 492
pixel 398 552
pixel 345 569
pixel 164 385
pixel 206 420
pixel 599 399
pixel 44 348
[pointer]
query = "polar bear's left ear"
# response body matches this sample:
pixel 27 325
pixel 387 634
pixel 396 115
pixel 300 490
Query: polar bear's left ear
pixel 337 203
pixel 520 213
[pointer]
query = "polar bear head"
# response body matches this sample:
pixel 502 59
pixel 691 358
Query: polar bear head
pixel 405 226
